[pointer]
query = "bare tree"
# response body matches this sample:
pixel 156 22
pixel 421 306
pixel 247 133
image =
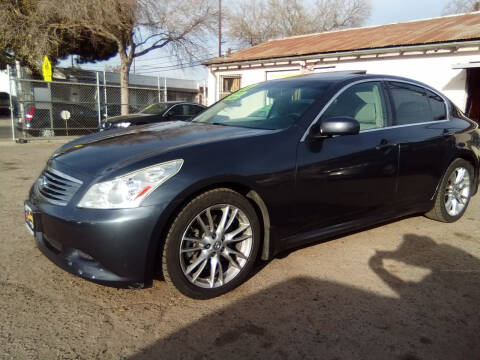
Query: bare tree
pixel 113 68
pixel 461 6
pixel 341 14
pixel 251 23
pixel 255 21
pixel 136 26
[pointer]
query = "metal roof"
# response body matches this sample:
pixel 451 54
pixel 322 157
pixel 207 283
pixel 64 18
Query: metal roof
pixel 463 27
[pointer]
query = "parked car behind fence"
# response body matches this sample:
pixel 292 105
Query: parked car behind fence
pixel 72 108
pixel 163 111
pixel 62 120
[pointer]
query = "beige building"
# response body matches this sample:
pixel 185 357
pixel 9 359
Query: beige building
pixel 443 52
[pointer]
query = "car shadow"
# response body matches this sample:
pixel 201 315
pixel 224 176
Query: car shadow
pixel 435 316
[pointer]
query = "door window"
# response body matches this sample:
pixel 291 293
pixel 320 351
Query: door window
pixel 176 110
pixel 439 110
pixel 191 110
pixel 414 104
pixel 364 102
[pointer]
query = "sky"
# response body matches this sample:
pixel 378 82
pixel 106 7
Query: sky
pixel 383 12
pixel 391 11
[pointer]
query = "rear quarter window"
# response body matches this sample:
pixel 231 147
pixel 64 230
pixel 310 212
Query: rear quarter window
pixel 439 109
pixel 411 104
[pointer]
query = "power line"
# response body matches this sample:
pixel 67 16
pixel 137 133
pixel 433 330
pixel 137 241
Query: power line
pixel 155 69
pixel 155 65
pixel 169 68
pixel 158 68
pixel 178 66
pixel 219 28
pixel 152 68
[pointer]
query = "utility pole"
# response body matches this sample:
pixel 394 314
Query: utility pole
pixel 219 28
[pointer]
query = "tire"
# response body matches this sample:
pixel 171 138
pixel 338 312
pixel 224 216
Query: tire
pixel 191 250
pixel 32 133
pixel 443 210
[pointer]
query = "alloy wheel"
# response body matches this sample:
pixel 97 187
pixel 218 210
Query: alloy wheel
pixel 216 246
pixel 457 191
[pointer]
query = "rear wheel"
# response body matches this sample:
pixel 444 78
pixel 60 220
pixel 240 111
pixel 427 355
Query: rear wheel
pixel 454 193
pixel 212 244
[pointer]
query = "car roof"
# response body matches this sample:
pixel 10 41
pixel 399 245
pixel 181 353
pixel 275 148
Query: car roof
pixel 336 76
pixel 345 77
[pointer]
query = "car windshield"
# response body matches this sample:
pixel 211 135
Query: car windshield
pixel 270 105
pixel 155 109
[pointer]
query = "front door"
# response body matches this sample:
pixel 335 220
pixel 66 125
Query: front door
pixel 347 178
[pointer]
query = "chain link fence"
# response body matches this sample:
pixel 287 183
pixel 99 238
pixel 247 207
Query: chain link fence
pixel 65 108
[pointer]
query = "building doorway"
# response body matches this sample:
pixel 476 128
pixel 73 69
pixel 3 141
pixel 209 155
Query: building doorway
pixel 473 88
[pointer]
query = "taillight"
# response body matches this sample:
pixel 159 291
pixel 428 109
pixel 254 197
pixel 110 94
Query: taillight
pixel 29 114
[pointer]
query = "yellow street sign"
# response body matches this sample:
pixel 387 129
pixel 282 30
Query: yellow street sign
pixel 47 69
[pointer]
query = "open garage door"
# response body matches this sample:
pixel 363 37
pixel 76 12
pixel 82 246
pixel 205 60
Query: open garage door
pixel 473 88
pixel 472 109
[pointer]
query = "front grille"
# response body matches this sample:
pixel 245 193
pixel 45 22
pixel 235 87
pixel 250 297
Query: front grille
pixel 56 187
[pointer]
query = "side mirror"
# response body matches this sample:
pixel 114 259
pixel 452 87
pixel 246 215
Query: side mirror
pixel 342 125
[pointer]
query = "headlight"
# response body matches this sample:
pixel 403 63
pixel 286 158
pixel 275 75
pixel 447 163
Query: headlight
pixel 123 124
pixel 128 191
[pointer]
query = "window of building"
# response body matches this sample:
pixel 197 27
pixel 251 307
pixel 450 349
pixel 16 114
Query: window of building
pixel 230 84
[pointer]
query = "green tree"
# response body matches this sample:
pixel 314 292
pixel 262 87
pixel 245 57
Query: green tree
pixel 137 27
pixel 98 29
pixel 26 36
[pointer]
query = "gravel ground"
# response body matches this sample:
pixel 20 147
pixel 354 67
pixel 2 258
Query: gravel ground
pixel 407 290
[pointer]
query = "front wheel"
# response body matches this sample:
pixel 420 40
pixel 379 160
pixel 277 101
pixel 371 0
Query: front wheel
pixel 212 244
pixel 454 192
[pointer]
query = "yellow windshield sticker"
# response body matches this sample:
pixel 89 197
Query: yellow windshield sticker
pixel 239 93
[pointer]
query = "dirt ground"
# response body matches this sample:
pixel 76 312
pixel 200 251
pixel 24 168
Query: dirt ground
pixel 407 290
pixel 5 127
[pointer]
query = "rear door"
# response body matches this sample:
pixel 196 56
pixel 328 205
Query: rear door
pixel 423 132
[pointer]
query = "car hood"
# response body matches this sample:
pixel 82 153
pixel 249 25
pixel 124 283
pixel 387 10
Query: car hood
pixel 105 152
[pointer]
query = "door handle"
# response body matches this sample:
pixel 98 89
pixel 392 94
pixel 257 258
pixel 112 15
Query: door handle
pixel 384 144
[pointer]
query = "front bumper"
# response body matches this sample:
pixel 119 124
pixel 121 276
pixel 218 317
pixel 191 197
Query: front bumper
pixel 109 247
